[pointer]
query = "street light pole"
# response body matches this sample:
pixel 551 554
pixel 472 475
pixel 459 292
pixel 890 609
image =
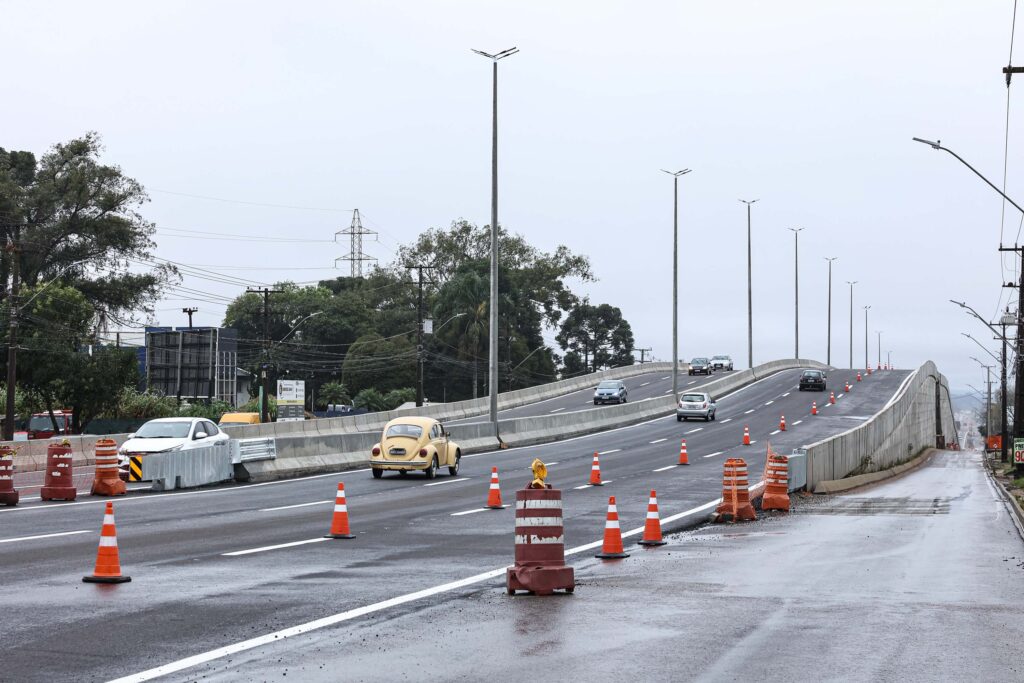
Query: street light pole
pixel 879 348
pixel 796 292
pixel 988 388
pixel 866 361
pixel 750 291
pixel 675 277
pixel 492 382
pixel 851 320
pixel 828 352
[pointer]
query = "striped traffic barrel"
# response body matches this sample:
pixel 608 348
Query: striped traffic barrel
pixel 107 480
pixel 539 544
pixel 8 494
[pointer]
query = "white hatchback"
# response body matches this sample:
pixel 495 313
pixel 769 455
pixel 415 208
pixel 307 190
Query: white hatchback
pixel 171 434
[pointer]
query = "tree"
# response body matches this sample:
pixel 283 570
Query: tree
pixel 463 300
pixel 379 363
pixel 334 393
pixel 371 399
pixel 599 335
pixel 77 220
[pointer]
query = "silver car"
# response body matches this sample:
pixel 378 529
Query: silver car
pixel 695 404
pixel 721 363
pixel 610 391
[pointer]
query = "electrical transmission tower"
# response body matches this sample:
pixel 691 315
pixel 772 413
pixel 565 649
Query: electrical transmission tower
pixel 355 234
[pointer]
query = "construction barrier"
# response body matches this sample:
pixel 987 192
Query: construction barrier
pixel 59 483
pixel 776 482
pixel 8 494
pixel 108 561
pixel 735 493
pixel 540 544
pixel 106 480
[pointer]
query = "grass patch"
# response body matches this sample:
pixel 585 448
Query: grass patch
pixel 1018 483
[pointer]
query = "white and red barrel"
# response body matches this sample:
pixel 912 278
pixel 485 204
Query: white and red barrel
pixel 540 544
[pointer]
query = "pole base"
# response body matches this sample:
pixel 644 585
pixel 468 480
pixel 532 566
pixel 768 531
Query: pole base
pixel 106 579
pixel 611 556
pixel 339 536
pixel 651 543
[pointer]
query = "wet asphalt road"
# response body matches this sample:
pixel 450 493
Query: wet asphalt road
pixel 915 579
pixel 187 596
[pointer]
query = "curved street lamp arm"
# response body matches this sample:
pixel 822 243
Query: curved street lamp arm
pixel 936 145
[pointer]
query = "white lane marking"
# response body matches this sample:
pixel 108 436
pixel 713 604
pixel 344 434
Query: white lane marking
pixel 797 422
pixel 557 409
pixel 277 636
pixel 547 464
pixel 785 394
pixel 769 403
pixel 668 391
pixel 749 412
pixel 711 455
pixel 658 441
pixel 35 538
pixel 447 481
pixel 752 443
pixel 840 396
pixel 645 384
pixel 614 450
pixel 273 547
pixel 728 419
pixel 469 512
pixel 300 505
pixel 773 433
pixel 694 430
pixel 666 376
pixel 662 469
pixel 693 382
pixel 587 486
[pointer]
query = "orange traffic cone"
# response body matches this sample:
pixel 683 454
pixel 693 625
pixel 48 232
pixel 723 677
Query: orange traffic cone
pixel 652 527
pixel 832 397
pixel 814 407
pixel 494 493
pixel 858 376
pixel 595 473
pixel 869 369
pixel 746 435
pixel 339 523
pixel 108 564
pixel 611 549
pixel 782 423
pixel 683 457
pixel 847 386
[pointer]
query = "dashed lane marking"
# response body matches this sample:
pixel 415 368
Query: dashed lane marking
pixel 711 455
pixel 614 450
pixel 265 548
pixel 773 433
pixel 36 538
pixel 840 396
pixel 668 391
pixel 749 412
pixel 447 481
pixel 694 430
pixel 469 512
pixel 658 441
pixel 785 394
pixel 728 419
pixel 662 469
pixel 797 422
pixel 588 486
pixel 556 410
pixel 769 403
pixel 691 383
pixel 300 505
pixel 645 384
pixel 667 377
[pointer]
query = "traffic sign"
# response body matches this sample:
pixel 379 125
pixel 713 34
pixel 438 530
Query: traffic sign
pixel 1018 451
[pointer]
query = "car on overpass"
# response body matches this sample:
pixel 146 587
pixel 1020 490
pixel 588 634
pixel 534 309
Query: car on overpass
pixel 415 444
pixel 812 380
pixel 700 366
pixel 721 363
pixel 610 391
pixel 695 404
pixel 167 434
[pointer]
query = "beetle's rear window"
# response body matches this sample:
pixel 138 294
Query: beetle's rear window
pixel 413 431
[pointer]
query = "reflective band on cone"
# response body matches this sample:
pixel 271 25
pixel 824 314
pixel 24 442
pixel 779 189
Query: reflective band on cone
pixel 339 522
pixel 108 563
pixel 611 548
pixel 652 526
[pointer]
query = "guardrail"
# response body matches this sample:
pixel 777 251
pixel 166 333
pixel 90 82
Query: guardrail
pixel 252 450
pixel 187 469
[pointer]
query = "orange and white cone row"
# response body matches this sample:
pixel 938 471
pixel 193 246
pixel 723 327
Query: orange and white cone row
pixel 611 548
pixel 339 522
pixel 652 526
pixel 494 492
pixel 595 472
pixel 108 562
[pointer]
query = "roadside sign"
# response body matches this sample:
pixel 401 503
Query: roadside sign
pixel 291 400
pixel 1018 451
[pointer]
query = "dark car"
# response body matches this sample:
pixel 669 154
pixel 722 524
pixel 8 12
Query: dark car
pixel 700 366
pixel 812 380
pixel 610 391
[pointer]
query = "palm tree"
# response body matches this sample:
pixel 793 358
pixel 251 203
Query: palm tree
pixel 467 293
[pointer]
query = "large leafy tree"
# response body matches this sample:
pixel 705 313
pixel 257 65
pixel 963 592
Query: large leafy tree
pixel 596 337
pixel 77 220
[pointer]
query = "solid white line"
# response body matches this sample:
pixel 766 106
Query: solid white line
pixel 711 455
pixel 728 419
pixel 797 422
pixel 558 409
pixel 614 450
pixel 300 505
pixel 749 412
pixel 469 512
pixel 662 469
pixel 694 430
pixel 447 481
pixel 34 538
pixel 773 433
pixel 658 441
pixel 273 547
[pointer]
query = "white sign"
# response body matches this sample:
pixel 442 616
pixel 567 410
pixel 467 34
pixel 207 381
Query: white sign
pixel 1018 451
pixel 291 400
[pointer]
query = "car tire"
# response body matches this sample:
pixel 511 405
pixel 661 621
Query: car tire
pixel 678 419
pixel 454 471
pixel 707 418
pixel 377 473
pixel 596 401
pixel 712 417
pixel 431 470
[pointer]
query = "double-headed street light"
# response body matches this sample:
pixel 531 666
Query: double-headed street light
pixel 675 277
pixel 492 383
pixel 750 290
pixel 796 292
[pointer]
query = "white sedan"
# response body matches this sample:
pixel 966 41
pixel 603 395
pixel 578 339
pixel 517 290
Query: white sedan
pixel 167 434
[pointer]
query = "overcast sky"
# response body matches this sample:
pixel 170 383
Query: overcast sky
pixel 808 106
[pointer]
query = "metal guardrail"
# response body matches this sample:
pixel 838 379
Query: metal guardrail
pixel 251 450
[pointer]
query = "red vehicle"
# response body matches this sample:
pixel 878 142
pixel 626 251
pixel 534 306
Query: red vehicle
pixel 40 426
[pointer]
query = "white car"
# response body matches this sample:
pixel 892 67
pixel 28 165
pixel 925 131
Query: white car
pixel 171 434
pixel 721 362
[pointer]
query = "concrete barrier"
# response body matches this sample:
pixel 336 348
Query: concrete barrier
pixel 904 428
pixel 187 469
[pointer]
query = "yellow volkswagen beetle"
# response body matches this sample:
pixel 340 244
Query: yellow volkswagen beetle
pixel 415 443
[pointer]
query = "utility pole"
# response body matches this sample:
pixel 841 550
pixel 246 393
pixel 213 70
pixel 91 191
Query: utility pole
pixel 675 277
pixel 1004 432
pixel 750 291
pixel 14 249
pixel 189 311
pixel 264 376
pixel 851 320
pixel 1018 386
pixel 419 332
pixel 796 291
pixel 879 348
pixel 866 336
pixel 642 352
pixel 828 353
pixel 355 233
